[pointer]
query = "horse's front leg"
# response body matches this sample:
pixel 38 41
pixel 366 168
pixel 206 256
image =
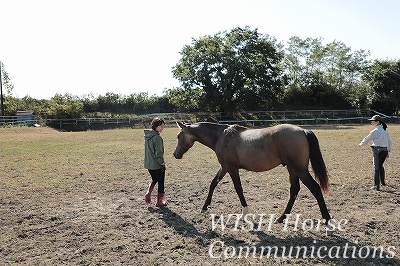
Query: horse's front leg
pixel 220 174
pixel 239 190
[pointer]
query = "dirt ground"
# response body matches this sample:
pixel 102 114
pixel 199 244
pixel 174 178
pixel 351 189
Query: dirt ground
pixel 77 199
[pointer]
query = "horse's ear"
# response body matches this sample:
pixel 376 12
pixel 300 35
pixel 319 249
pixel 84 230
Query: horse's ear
pixel 180 125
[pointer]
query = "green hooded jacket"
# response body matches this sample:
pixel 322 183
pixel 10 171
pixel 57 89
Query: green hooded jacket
pixel 153 150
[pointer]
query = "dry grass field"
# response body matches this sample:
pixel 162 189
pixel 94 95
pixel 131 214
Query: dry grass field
pixel 76 198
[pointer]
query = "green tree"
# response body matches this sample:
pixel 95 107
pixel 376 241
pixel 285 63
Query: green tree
pixel 235 70
pixel 90 104
pixel 384 78
pixel 110 102
pixel 10 105
pixel 13 104
pixel 333 70
pixel 138 102
pixel 186 100
pixel 64 106
pixel 8 87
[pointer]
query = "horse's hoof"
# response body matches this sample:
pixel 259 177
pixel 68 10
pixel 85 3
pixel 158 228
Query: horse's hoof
pixel 279 220
pixel 245 211
pixel 329 230
pixel 203 210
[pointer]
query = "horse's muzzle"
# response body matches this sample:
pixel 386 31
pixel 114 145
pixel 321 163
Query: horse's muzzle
pixel 177 156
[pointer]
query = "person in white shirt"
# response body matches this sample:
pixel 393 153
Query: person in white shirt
pixel 381 146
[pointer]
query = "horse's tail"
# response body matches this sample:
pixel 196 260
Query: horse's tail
pixel 317 162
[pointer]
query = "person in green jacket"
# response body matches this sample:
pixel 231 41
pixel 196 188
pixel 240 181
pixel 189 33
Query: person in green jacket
pixel 154 160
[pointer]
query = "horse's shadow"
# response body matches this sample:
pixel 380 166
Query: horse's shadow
pixel 333 250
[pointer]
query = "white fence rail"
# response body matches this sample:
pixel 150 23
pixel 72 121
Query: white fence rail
pixel 18 121
pixel 256 118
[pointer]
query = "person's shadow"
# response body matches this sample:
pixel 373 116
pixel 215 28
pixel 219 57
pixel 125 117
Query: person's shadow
pixel 333 249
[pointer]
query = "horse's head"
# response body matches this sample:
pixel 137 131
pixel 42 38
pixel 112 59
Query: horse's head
pixel 185 141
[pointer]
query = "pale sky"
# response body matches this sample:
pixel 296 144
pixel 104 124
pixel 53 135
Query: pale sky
pixel 130 46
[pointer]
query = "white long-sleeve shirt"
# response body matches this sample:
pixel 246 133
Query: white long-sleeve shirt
pixel 379 138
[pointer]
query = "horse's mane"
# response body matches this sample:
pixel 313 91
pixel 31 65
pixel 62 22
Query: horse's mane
pixel 232 129
pixel 228 129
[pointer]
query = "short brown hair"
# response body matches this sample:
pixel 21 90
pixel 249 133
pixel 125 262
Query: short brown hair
pixel 156 122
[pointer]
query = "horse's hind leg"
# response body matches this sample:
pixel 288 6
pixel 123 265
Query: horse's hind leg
pixel 315 189
pixel 220 174
pixel 294 191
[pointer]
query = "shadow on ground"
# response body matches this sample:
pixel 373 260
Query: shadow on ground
pixel 333 250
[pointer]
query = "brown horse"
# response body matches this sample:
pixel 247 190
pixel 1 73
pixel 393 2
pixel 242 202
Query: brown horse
pixel 260 150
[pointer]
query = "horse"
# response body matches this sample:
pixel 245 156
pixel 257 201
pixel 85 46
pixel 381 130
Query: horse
pixel 258 150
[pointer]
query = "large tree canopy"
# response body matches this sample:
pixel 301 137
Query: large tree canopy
pixel 236 70
pixel 384 78
pixel 331 72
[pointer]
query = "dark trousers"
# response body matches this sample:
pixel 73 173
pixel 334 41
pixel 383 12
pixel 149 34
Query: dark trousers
pixel 158 176
pixel 380 154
